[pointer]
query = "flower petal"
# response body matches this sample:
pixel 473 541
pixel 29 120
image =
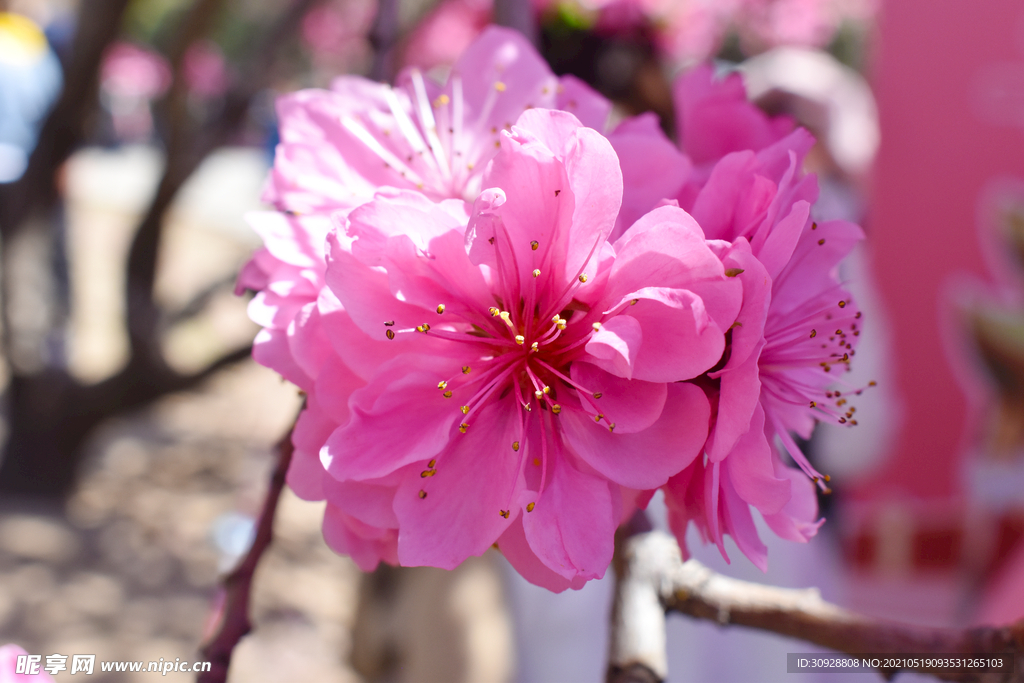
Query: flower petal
pixel 738 394
pixel 632 405
pixel 520 555
pixel 583 102
pixel 646 459
pixel 306 475
pixel 370 502
pixel 615 345
pixel 652 167
pixel 295 240
pixel 361 353
pixel 445 518
pixel 571 529
pixel 750 470
pixel 714 117
pixel 798 520
pixel 399 418
pixel 739 523
pixel 270 349
pixel 367 546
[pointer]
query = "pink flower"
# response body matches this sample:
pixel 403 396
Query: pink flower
pixel 522 374
pixel 339 146
pixel 797 327
pixel 130 71
pixel 9 665
pixel 442 37
pixel 205 70
pixel 335 32
pixel 714 118
pixel 812 23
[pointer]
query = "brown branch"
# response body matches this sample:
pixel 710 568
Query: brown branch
pixel 653 579
pixel 234 621
pixel 517 14
pixel 384 35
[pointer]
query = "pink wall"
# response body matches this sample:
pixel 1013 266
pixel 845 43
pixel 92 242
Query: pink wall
pixel 948 76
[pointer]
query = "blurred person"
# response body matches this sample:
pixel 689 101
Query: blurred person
pixel 30 80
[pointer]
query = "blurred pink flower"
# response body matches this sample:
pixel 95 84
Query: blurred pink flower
pixel 714 118
pixel 442 37
pixel 131 71
pixel 205 70
pixel 9 665
pixel 336 31
pixel 811 23
pixel 797 327
pixel 532 427
pixel 130 78
pixel 693 30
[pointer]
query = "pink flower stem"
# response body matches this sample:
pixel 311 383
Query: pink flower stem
pixel 232 622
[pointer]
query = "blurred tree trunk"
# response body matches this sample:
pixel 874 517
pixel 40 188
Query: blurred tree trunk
pixel 50 413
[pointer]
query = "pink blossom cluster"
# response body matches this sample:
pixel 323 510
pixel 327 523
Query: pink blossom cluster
pixel 512 328
pixel 682 30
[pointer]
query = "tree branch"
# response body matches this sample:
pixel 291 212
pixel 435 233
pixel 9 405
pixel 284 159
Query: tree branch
pixel 517 14
pixel 182 160
pixel 383 37
pixel 654 579
pixel 237 589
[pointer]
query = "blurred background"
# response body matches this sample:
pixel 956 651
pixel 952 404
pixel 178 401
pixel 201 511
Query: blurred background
pixel 138 435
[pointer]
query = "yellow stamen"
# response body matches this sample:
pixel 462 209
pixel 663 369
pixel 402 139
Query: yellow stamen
pixel 520 339
pixel 463 427
pixel 499 86
pixel 442 385
pixel 534 244
pixel 583 277
pixel 556 409
pixel 530 506
pixel 440 309
pixel 536 272
pixel 515 446
pixel 466 369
